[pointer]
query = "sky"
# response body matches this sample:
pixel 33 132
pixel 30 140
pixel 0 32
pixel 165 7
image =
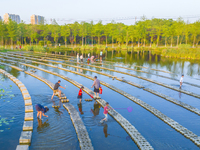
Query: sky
pixel 126 11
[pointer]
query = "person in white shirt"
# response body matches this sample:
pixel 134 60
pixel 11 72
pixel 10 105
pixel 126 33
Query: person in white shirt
pixel 81 58
pixel 77 57
pixel 101 54
pixel 88 55
pixel 181 81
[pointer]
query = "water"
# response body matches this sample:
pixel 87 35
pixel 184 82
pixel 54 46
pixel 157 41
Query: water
pixel 57 131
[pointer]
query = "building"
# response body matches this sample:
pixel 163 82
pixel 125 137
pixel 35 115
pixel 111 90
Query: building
pixel 14 17
pixel 0 18
pixel 36 19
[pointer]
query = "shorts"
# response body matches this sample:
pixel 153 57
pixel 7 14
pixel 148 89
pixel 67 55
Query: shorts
pixel 96 90
pixel 106 116
pixel 38 108
pixel 55 91
pixel 79 96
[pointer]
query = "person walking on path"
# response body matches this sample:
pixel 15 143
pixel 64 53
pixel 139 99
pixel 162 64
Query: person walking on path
pixel 106 109
pixel 181 80
pixel 80 93
pixel 88 55
pixel 101 55
pixel 96 85
pixel 77 57
pixel 81 58
pixel 55 89
pixel 41 110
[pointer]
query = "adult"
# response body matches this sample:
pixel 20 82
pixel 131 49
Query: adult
pixel 101 55
pixel 88 55
pixel 92 58
pixel 81 58
pixel 96 85
pixel 41 110
pixel 77 57
pixel 55 89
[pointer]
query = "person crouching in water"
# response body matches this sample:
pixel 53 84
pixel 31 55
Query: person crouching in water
pixel 41 110
pixel 181 81
pixel 80 93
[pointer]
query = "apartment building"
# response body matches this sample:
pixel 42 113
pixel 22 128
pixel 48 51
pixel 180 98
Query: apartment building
pixel 13 17
pixel 36 19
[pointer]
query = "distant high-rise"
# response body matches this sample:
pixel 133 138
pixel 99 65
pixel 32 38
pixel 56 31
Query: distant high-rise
pixel 0 18
pixel 13 17
pixel 36 19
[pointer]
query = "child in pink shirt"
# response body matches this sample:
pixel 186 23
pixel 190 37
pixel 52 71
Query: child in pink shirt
pixel 105 112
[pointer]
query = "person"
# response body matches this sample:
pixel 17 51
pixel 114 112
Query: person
pixel 59 44
pixel 55 89
pixel 41 110
pixel 81 58
pixel 181 80
pixel 96 85
pixel 92 59
pixel 88 55
pixel 20 47
pixel 80 93
pixel 77 57
pixel 101 54
pixel 106 109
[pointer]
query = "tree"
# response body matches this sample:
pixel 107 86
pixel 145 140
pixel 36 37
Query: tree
pixel 3 31
pixel 75 30
pixel 179 26
pixel 98 30
pixel 12 31
pixel 83 30
pixel 106 30
pixel 55 31
pixel 65 31
pixel 44 31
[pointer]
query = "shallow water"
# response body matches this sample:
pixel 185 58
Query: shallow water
pixel 57 131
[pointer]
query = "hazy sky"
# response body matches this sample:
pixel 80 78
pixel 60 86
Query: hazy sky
pixel 71 10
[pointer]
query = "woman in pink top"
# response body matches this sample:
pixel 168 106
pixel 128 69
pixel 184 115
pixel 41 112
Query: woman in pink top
pixel 105 112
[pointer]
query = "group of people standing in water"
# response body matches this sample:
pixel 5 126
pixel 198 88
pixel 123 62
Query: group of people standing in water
pixel 41 110
pixel 89 59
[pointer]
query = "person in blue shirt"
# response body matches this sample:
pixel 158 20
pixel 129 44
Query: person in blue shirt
pixel 41 110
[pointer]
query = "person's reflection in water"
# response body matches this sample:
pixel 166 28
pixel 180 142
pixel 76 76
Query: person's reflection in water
pixel 80 108
pixel 105 130
pixel 42 126
pixel 96 109
pixel 58 112
pixel 180 95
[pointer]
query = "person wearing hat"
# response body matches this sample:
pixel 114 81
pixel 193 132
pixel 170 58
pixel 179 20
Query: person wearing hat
pixel 80 93
pixel 55 89
pixel 96 85
pixel 181 80
pixel 41 110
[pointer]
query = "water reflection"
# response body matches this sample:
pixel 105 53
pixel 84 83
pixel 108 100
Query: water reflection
pixel 96 109
pixel 80 108
pixel 42 126
pixel 105 130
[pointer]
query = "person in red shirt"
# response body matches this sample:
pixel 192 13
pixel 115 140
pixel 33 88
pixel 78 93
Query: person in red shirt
pixel 106 109
pixel 80 93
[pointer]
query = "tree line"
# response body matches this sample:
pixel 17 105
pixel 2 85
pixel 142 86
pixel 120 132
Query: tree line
pixel 146 32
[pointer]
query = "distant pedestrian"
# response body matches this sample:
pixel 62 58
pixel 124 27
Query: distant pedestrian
pixel 80 93
pixel 96 85
pixel 88 55
pixel 92 58
pixel 77 57
pixel 81 58
pixel 55 90
pixel 181 80
pixel 59 44
pixel 101 55
pixel 41 110
pixel 106 109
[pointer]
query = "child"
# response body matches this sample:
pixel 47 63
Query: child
pixel 80 93
pixel 41 110
pixel 181 81
pixel 105 112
